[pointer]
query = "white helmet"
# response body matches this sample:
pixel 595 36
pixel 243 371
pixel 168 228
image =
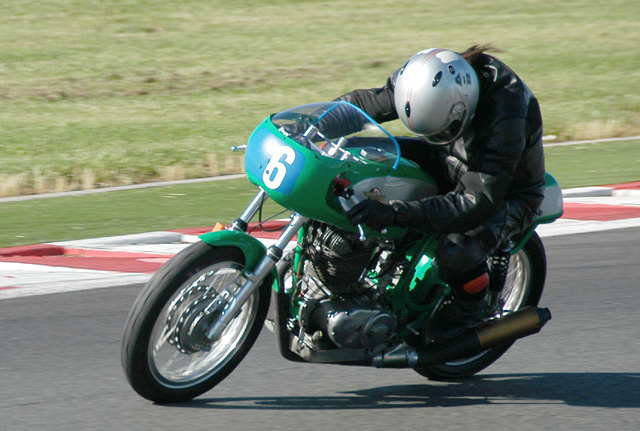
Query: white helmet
pixel 436 95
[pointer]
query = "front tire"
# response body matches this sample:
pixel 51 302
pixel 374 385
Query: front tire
pixel 165 356
pixel 524 286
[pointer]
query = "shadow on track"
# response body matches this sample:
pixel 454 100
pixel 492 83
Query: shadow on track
pixel 604 390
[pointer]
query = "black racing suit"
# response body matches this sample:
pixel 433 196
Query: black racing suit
pixel 491 179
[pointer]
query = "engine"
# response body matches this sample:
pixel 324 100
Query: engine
pixel 340 309
pixel 337 259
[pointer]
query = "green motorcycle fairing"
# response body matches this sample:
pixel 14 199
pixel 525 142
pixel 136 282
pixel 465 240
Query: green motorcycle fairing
pixel 301 172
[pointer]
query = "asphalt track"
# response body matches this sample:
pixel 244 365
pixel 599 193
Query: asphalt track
pixel 60 366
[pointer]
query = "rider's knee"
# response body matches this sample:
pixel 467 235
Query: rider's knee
pixel 462 264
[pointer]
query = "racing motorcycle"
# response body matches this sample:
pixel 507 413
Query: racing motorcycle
pixel 341 294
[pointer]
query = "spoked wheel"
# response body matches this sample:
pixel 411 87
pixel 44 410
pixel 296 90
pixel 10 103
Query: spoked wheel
pixel 523 287
pixel 165 353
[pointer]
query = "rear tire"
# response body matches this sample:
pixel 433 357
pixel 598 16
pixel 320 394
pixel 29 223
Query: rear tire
pixel 165 356
pixel 524 286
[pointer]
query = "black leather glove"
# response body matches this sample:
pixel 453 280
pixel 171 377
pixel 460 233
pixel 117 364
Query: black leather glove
pixel 373 214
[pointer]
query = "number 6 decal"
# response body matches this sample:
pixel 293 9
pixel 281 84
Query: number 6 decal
pixel 276 170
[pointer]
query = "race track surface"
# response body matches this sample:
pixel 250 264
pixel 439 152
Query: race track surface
pixel 60 366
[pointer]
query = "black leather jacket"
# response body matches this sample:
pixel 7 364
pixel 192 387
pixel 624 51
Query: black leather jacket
pixel 494 173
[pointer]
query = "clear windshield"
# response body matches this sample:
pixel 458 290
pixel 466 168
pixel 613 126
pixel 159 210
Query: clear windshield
pixel 339 130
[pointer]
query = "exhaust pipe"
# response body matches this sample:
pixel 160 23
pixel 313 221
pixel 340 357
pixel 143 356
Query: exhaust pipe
pixel 492 333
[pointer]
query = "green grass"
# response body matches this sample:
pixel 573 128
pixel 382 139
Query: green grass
pixel 204 204
pixel 125 212
pixel 97 93
pixel 594 164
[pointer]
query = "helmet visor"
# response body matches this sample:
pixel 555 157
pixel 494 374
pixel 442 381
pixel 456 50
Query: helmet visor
pixel 453 130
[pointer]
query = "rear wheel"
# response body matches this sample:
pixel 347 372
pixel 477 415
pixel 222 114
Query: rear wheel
pixel 523 287
pixel 165 354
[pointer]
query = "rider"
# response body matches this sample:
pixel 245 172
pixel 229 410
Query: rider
pixel 479 133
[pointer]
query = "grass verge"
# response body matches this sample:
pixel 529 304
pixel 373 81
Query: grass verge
pixel 124 212
pixel 204 204
pixel 98 93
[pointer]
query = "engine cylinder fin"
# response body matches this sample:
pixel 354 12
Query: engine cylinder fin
pixel 338 258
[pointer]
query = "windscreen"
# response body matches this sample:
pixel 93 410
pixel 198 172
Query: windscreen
pixel 339 130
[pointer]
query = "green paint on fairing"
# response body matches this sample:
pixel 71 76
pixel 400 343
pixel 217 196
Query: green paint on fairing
pixel 252 249
pixel 312 195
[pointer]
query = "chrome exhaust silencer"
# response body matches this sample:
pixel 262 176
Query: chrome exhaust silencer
pixel 492 333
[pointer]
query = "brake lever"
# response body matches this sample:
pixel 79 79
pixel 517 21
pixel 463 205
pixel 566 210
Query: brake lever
pixel 344 192
pixel 356 201
pixel 344 203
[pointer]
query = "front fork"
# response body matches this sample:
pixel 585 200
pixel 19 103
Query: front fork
pixel 230 307
pixel 242 223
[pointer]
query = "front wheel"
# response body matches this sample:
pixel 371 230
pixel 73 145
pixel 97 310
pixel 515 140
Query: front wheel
pixel 523 287
pixel 165 354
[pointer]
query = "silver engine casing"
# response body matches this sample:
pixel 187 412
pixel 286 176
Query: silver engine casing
pixel 338 308
pixel 356 323
pixel 348 323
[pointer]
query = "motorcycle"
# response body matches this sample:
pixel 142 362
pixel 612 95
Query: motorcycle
pixel 341 294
